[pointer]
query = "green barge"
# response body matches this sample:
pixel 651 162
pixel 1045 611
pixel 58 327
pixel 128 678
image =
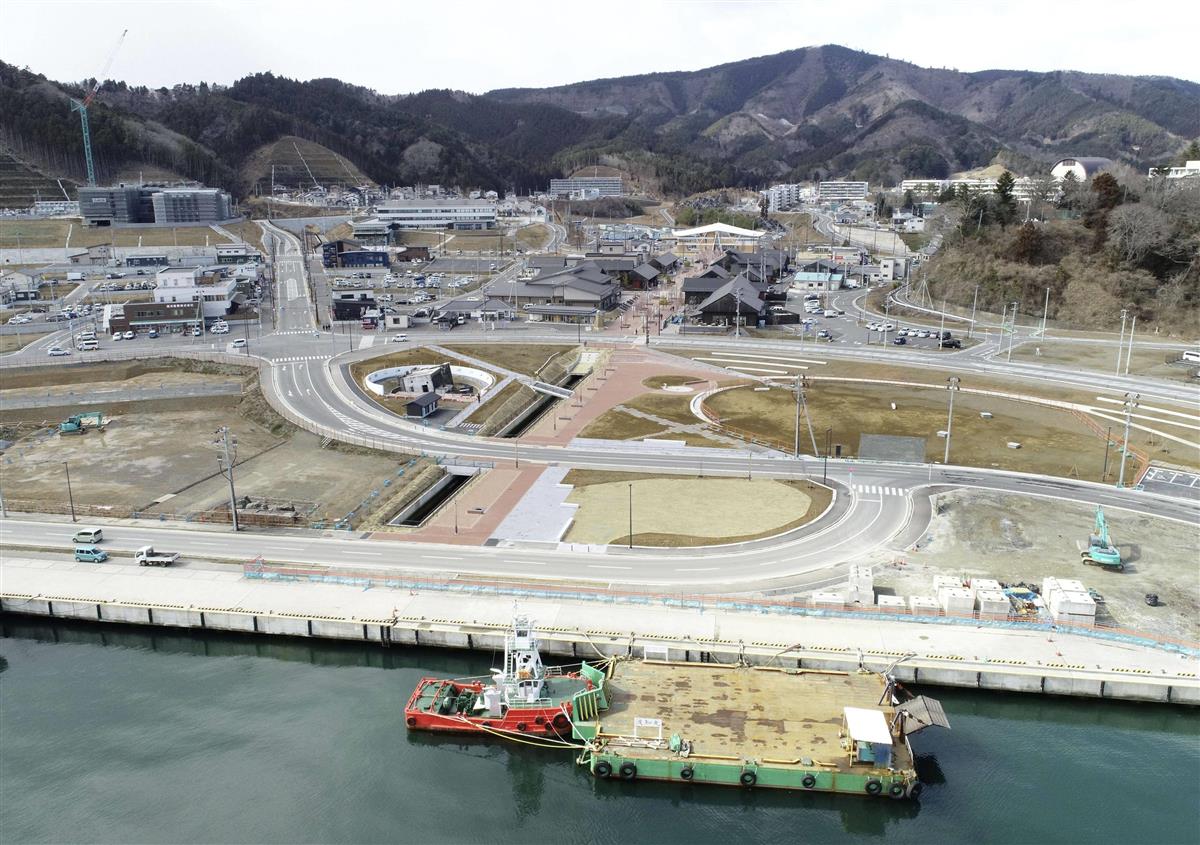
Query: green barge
pixel 752 727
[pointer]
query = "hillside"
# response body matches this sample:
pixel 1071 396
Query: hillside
pixel 833 110
pixel 809 113
pixel 1105 249
pixel 294 161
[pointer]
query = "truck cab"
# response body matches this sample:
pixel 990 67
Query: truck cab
pixel 90 554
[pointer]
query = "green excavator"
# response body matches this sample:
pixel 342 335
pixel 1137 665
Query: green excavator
pixel 1100 550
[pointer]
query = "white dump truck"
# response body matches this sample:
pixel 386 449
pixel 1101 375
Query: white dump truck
pixel 147 556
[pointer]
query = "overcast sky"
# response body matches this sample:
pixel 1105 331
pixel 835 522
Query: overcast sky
pixel 400 46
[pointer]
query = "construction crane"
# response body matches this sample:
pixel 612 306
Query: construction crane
pixel 82 108
pixel 1100 550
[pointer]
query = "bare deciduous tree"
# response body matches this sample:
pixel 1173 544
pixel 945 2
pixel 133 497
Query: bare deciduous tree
pixel 1135 230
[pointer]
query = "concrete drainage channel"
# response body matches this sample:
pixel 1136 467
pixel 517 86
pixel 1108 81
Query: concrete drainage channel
pixel 416 512
pixel 525 420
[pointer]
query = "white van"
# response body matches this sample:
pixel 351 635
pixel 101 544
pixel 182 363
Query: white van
pixel 1192 356
pixel 88 346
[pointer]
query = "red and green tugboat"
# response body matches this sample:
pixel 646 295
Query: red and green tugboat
pixel 524 697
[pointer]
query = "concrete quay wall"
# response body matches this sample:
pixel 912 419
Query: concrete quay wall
pixel 581 643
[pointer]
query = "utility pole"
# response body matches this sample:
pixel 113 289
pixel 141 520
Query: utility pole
pixel 825 469
pixel 1129 354
pixel 1121 342
pixel 952 386
pixel 796 440
pixel 70 495
pixel 1045 313
pixel 1130 403
pixel 1107 446
pixel 974 302
pixel 942 330
pixel 737 322
pixel 227 444
pixel 1012 332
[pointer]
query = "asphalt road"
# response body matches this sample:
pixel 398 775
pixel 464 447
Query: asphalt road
pixel 306 375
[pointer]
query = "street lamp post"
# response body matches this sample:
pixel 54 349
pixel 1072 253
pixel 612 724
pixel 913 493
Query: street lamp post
pixel 1012 332
pixel 952 386
pixel 1121 341
pixel 1131 402
pixel 70 495
pixel 974 302
pixel 825 469
pixel 631 516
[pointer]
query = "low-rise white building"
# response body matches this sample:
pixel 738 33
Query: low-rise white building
pixel 828 191
pixel 1190 169
pixel 198 284
pixel 438 214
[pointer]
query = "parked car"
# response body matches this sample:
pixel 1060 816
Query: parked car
pixel 900 341
pixel 220 329
pixel 116 336
pixel 952 343
pixel 152 333
pixel 55 351
pixel 128 335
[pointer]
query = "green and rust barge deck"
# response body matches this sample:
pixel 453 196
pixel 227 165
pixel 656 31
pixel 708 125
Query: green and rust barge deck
pixel 760 727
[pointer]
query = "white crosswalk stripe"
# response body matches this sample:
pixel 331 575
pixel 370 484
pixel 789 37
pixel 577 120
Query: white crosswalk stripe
pixel 878 490
pixel 297 359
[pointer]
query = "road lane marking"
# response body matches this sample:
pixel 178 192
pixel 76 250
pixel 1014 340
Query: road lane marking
pixel 524 562
pixel 375 554
pixel 698 569
pixel 438 557
pixel 601 566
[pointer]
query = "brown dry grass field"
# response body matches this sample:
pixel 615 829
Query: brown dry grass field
pixel 54 233
pixel 496 402
pixel 13 342
pixel 1103 359
pixel 675 408
pixel 525 358
pixel 615 424
pixel 681 510
pixel 1052 441
pixel 248 232
pixel 533 236
pixel 655 382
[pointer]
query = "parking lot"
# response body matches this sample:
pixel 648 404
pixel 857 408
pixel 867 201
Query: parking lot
pixel 833 319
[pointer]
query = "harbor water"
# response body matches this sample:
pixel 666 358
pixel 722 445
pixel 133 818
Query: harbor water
pixel 117 734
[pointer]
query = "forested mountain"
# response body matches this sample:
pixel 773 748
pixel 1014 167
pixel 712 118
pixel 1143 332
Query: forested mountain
pixel 813 112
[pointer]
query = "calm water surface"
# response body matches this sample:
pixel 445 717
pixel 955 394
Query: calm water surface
pixel 124 735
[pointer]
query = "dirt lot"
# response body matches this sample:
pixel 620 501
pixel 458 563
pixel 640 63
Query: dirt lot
pixel 142 456
pixel 1103 359
pixel 53 233
pixel 520 358
pixel 677 510
pixel 1018 538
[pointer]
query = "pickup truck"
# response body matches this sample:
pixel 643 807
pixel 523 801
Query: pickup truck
pixel 146 556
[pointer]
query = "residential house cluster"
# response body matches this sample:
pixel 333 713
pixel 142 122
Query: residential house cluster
pixel 739 286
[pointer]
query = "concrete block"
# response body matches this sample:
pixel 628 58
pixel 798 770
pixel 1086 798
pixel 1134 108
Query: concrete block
pixel 173 618
pixel 125 613
pixel 992 603
pixel 956 600
pixel 892 604
pixel 1010 682
pixel 823 599
pixel 942 582
pixel 1056 685
pixel 990 584
pixel 927 605
pixel 1136 690
pixel 75 610
pixel 337 630
pixel 948 677
pixel 229 621
pixel 283 625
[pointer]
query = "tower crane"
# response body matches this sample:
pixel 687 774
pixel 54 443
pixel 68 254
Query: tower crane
pixel 81 106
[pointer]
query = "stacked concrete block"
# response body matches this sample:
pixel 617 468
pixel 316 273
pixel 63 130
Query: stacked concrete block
pixel 992 603
pixel 978 584
pixel 892 604
pixel 924 605
pixel 828 600
pixel 861 586
pixel 956 600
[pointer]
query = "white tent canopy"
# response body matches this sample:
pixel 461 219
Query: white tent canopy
pixel 867 726
pixel 718 228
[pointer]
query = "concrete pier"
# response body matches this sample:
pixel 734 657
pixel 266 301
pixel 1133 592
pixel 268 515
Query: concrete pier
pixel 981 657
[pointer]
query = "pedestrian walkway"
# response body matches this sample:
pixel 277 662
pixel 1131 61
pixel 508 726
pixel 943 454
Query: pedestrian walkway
pixel 543 514
pixel 878 490
pixel 297 358
pixel 477 362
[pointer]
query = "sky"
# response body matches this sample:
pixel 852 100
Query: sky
pixel 402 46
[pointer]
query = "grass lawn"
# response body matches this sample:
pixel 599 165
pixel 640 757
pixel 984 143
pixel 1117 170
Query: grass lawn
pixel 618 425
pixel 533 236
pixel 496 402
pixel 248 232
pixel 525 358
pixel 676 408
pixel 13 342
pixel 1103 358
pixel 681 510
pixel 1052 441
pixel 16 234
pixel 914 240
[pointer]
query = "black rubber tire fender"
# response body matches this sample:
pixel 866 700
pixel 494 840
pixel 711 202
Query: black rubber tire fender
pixel 915 790
pixel 561 722
pixel 411 721
pixel 687 773
pixel 603 769
pixel 748 779
pixel 628 771
pixel 808 781
pixel 874 787
pixel 522 727
pixel 896 790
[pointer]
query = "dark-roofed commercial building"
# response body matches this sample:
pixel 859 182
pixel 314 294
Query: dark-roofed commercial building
pixel 351 254
pixel 735 299
pixel 667 262
pixel 644 276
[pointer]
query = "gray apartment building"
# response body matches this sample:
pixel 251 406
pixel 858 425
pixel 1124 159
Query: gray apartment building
pixel 603 186
pixel 121 205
